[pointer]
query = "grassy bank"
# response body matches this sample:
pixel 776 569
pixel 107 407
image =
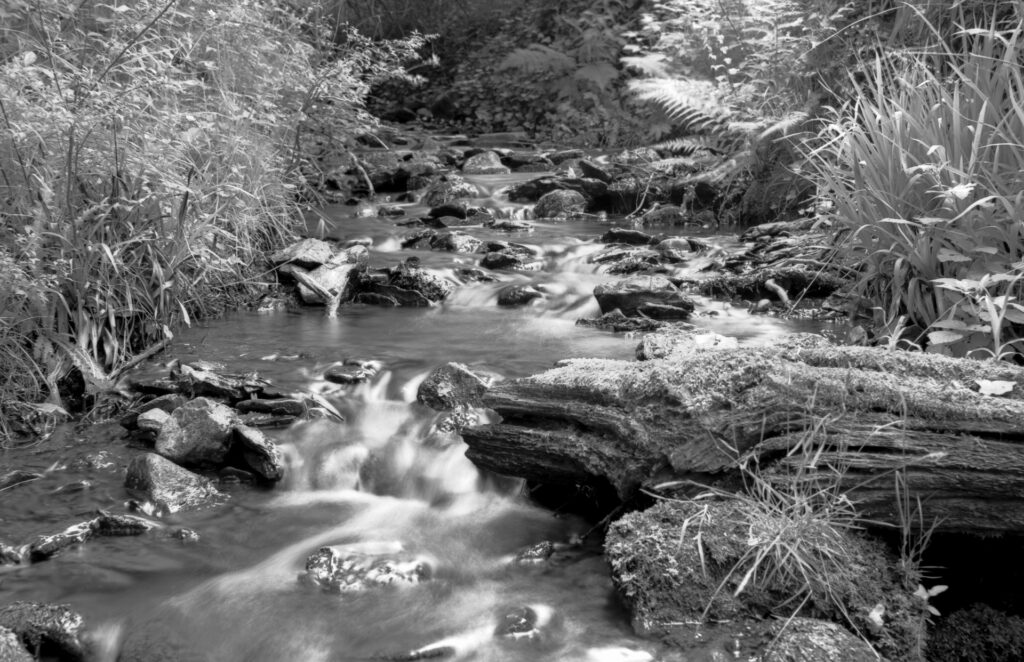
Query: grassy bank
pixel 149 156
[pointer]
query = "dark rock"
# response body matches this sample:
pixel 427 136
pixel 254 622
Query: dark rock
pixel 120 525
pixel 527 624
pixel 198 433
pixel 517 259
pixel 484 163
pixel 473 275
pixel 518 295
pixel 199 381
pixel 565 155
pixel 455 242
pixel 308 254
pixel 167 403
pixel 259 453
pixel 450 386
pixel 55 629
pixel 154 386
pixel 448 188
pixel 11 649
pixel 629 294
pixel 560 203
pixel 336 277
pixel 623 236
pixel 616 321
pixel 510 225
pixel 398 170
pixel 408 276
pixel 456 208
pixel 517 160
pixel 276 406
pixel 415 238
pixel 390 211
pixel 593 190
pixel 378 299
pixel 45 547
pixel 352 371
pixel 660 311
pixel 17 477
pixel 592 170
pixel 338 570
pixel 666 215
pixel 814 640
pixel 167 485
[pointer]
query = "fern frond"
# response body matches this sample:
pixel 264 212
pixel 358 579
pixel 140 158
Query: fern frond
pixel 787 126
pixel 693 144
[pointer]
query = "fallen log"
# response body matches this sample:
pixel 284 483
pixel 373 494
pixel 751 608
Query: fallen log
pixel 801 407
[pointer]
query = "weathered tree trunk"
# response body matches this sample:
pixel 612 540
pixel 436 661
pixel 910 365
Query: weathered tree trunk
pixel 857 413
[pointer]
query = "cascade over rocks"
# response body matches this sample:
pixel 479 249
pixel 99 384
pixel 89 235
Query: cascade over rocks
pixel 691 408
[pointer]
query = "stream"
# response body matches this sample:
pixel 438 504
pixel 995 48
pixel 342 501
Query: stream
pixel 383 480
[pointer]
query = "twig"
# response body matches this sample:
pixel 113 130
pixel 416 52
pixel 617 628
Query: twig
pixel 139 358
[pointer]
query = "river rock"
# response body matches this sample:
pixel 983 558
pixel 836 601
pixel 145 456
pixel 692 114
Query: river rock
pixel 389 211
pixel 485 163
pixel 339 570
pixel 535 554
pixel 450 386
pixel 45 547
pixel 448 188
pixel 665 215
pixel 527 623
pixel 259 453
pixel 149 423
pixel 625 236
pixel 630 294
pixel 510 256
pixel 687 562
pixel 560 203
pixel 594 190
pixel 455 242
pixel 308 254
pixel 336 276
pixel 198 433
pixel 509 225
pixel 565 155
pixel 619 323
pixel 54 628
pixel 352 371
pixel 398 170
pixel 11 649
pixel 276 406
pixel 410 276
pixel 518 295
pixel 592 170
pixel 456 208
pixel 814 640
pixel 170 487
pixel 10 555
pixel 527 161
pixel 197 379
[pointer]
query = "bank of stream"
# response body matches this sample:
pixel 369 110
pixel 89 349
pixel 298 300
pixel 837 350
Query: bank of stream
pixel 382 480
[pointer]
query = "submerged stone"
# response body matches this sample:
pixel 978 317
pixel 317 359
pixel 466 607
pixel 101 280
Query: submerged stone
pixel 39 626
pixel 170 487
pixel 336 569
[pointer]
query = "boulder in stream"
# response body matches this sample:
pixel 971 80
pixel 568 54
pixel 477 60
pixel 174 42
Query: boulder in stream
pixel 518 295
pixel 631 294
pixel 560 204
pixel 259 453
pixel 455 242
pixel 448 188
pixel 168 486
pixel 485 163
pixel 451 386
pixel 814 640
pixel 307 253
pixel 199 433
pixel 45 627
pixel 626 236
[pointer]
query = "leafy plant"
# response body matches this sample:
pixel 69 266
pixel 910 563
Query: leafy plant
pixel 924 168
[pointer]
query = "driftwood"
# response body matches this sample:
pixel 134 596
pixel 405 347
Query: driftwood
pixel 862 414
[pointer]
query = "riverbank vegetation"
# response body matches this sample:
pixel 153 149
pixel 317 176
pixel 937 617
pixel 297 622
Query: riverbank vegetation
pixel 150 153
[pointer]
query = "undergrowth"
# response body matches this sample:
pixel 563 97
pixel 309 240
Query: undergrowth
pixel 148 159
pixel 924 168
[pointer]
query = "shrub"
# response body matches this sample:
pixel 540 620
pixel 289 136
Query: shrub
pixel 925 167
pixel 147 161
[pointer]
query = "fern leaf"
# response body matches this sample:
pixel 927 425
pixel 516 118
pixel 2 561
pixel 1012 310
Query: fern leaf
pixel 601 74
pixel 651 64
pixel 689 146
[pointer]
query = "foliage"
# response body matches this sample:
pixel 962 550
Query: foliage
pixel 924 167
pixel 978 634
pixel 147 153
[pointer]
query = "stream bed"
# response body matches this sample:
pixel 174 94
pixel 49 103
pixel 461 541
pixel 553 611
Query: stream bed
pixel 379 481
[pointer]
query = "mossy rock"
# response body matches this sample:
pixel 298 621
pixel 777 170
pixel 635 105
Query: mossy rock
pixel 691 562
pixel 978 634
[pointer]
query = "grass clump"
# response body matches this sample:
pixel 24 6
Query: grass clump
pixel 150 153
pixel 924 167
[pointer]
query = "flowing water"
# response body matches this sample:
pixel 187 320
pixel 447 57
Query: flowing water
pixel 381 483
